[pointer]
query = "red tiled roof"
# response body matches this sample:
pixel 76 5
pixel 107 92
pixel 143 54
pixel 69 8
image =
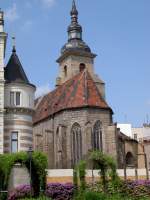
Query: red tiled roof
pixel 80 91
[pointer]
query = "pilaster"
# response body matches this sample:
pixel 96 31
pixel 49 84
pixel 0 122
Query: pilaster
pixel 3 37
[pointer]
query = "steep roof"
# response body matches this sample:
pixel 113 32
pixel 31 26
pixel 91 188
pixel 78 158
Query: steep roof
pixel 14 71
pixel 80 91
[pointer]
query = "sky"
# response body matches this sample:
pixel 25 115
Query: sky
pixel 118 31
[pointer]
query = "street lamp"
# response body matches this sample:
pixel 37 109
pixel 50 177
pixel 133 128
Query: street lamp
pixel 30 151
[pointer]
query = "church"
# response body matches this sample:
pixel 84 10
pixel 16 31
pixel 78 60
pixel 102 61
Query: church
pixel 75 118
pixel 68 122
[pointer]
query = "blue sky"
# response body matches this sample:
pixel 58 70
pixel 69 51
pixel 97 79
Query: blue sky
pixel 118 31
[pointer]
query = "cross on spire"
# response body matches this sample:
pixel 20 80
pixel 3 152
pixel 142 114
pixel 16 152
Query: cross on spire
pixel 14 44
pixel 74 13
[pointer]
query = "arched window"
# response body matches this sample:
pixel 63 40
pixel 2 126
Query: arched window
pixel 58 148
pixel 65 70
pixel 130 160
pixel 82 67
pixel 97 136
pixel 76 143
pixel 88 136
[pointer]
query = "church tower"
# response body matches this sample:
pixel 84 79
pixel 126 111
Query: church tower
pixel 76 55
pixel 3 37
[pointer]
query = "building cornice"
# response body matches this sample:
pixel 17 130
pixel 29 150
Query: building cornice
pixel 20 84
pixel 19 110
pixel 75 53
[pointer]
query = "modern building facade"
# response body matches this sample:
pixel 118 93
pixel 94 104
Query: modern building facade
pixel 142 135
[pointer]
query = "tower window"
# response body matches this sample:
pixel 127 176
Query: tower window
pixel 15 98
pixel 82 67
pixel 65 70
pixel 14 142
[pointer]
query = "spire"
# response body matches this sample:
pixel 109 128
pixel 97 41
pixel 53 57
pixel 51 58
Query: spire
pixel 74 13
pixel 1 17
pixel 74 30
pixel 75 41
pixel 14 71
pixel 14 44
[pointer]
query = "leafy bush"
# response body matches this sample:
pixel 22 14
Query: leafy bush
pixel 39 164
pixel 105 164
pixel 3 196
pixel 94 196
pixel 59 191
pixel 90 195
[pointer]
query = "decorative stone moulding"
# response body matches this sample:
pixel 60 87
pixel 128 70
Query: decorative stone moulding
pixel 15 110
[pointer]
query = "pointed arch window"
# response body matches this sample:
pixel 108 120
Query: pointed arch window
pixel 130 162
pixel 76 143
pixel 58 148
pixel 97 136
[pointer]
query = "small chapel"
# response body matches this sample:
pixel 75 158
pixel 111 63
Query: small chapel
pixel 75 118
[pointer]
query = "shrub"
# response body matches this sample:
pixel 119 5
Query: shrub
pixel 94 196
pixel 39 164
pixel 90 195
pixel 59 191
pixel 104 163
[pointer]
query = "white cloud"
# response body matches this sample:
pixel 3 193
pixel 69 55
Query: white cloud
pixel 11 13
pixel 48 3
pixel 27 25
pixel 42 90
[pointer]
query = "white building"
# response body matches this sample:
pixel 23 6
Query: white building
pixel 16 102
pixel 142 133
pixel 126 129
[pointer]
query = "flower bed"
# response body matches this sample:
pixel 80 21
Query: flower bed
pixel 59 191
pixel 20 192
pixel 130 190
pixel 137 189
pixel 55 191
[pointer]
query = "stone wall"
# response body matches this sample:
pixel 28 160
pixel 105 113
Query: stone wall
pixel 19 176
pixel 73 62
pixel 66 176
pixel 46 138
